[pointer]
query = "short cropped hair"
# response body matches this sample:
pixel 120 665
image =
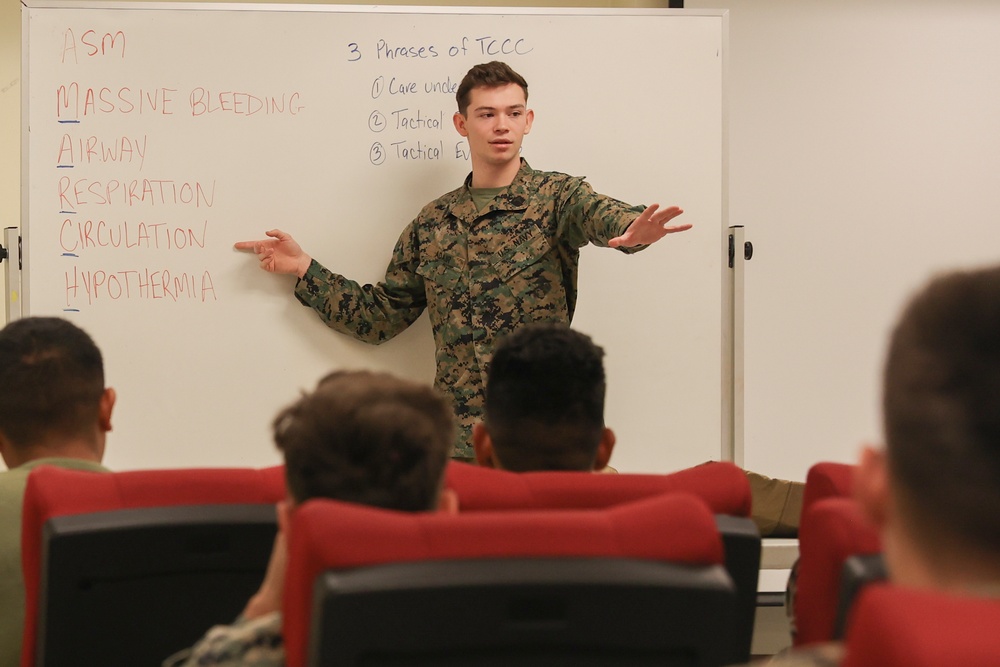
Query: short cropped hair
pixel 51 381
pixel 545 399
pixel 941 407
pixel 487 75
pixel 367 438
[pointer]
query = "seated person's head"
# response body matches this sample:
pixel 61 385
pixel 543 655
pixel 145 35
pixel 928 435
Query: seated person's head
pixel 53 401
pixel 367 438
pixel 935 490
pixel 359 437
pixel 544 403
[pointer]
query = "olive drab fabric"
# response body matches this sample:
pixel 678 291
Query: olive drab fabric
pixel 479 274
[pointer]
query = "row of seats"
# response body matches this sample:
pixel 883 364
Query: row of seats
pixel 126 568
pixel 833 531
pixel 840 593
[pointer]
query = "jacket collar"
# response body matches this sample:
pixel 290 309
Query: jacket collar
pixel 512 198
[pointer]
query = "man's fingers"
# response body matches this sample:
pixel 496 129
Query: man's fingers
pixel 648 213
pixel 672 229
pixel 266 259
pixel 667 214
pixel 259 245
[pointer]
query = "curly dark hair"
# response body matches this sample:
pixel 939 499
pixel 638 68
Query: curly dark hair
pixel 368 438
pixel 545 399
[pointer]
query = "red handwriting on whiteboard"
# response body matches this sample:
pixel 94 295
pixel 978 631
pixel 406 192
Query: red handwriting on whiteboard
pixel 240 103
pixel 92 44
pixel 75 151
pixel 74 102
pixel 75 236
pixel 137 284
pixel 74 193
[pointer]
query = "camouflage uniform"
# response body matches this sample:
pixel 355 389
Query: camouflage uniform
pixel 246 643
pixel 480 274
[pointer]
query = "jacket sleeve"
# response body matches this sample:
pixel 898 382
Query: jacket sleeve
pixel 588 217
pixel 370 313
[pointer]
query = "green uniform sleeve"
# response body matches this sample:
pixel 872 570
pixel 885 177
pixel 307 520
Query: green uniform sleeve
pixel 370 313
pixel 588 217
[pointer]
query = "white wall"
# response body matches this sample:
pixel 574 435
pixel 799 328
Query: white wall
pixel 865 154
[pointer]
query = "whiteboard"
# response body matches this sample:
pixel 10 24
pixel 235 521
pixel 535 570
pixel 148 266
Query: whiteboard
pixel 156 135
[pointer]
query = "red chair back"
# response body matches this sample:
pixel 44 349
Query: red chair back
pixel 723 486
pixel 828 480
pixel 56 492
pixel 892 626
pixel 832 530
pixel 327 534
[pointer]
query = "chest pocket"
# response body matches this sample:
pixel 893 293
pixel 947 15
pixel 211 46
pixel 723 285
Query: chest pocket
pixel 441 271
pixel 524 257
pixel 531 281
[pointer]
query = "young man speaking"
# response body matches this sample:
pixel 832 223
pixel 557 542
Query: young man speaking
pixel 500 251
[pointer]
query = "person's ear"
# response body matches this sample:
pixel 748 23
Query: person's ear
pixel 529 118
pixel 459 120
pixel 284 508
pixel 448 502
pixel 105 407
pixel 871 485
pixel 8 453
pixel 604 449
pixel 482 444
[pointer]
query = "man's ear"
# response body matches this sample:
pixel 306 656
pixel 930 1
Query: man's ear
pixel 448 502
pixel 482 444
pixel 284 511
pixel 7 453
pixel 105 408
pixel 604 449
pixel 529 118
pixel 459 120
pixel 871 485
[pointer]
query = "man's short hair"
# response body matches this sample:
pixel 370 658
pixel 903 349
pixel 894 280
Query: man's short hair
pixel 367 438
pixel 487 75
pixel 51 381
pixel 545 399
pixel 941 406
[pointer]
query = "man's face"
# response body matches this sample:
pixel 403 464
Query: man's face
pixel 495 123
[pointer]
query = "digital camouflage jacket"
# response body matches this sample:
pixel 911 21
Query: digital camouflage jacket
pixel 479 274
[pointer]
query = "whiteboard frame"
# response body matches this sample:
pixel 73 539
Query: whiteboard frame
pixel 731 445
